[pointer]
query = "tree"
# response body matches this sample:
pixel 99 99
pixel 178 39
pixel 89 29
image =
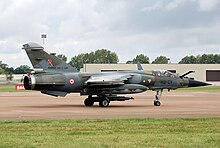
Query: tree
pixel 2 71
pixel 217 58
pixel 189 60
pixel 3 65
pixel 78 61
pixel 9 70
pixel 62 57
pixel 161 60
pixel 104 56
pixel 201 59
pixel 141 58
pixel 129 62
pixel 5 69
pixel 101 56
pixel 208 59
pixel 23 69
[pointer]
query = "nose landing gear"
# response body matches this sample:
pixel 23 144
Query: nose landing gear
pixel 158 96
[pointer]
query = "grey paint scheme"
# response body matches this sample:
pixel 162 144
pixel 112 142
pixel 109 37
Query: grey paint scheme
pixel 58 78
pixel 39 59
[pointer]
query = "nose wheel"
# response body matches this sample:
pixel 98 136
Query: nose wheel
pixel 156 103
pixel 158 96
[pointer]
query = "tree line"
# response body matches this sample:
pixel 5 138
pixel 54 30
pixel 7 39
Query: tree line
pixel 201 59
pixel 105 56
pixel 5 69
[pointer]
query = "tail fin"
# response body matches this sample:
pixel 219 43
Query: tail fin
pixel 42 60
pixel 139 66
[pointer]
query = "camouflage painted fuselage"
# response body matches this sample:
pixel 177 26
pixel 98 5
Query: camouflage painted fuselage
pixel 54 77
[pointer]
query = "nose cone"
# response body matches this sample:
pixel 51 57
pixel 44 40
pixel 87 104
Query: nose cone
pixel 193 83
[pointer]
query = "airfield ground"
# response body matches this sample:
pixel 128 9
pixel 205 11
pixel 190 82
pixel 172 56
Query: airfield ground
pixel 170 125
pixel 34 105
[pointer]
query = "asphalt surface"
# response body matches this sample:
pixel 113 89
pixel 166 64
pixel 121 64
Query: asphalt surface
pixel 34 105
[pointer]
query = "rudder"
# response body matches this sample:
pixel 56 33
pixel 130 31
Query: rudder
pixel 42 60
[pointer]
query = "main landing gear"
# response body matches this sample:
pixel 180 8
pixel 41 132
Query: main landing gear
pixel 104 100
pixel 88 101
pixel 158 96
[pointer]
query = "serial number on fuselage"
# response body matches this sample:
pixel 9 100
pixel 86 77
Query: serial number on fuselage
pixel 58 68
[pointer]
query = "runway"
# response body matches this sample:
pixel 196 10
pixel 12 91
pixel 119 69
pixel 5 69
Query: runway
pixel 34 105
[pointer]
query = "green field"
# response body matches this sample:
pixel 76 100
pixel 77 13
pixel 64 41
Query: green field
pixel 11 88
pixel 201 132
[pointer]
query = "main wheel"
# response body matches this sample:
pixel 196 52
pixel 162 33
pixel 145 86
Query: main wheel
pixel 104 103
pixel 88 102
pixel 156 103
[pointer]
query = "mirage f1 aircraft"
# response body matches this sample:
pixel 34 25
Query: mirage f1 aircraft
pixel 54 77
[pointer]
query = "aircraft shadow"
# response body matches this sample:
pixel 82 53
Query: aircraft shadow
pixel 83 106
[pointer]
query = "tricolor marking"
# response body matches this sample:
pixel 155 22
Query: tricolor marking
pixel 71 81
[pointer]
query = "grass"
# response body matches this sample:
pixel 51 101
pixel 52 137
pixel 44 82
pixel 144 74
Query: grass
pixel 7 88
pixel 10 88
pixel 200 132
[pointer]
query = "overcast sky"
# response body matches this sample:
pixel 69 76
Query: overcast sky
pixel 173 28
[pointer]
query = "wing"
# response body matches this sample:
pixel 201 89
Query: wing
pixel 114 83
pixel 107 80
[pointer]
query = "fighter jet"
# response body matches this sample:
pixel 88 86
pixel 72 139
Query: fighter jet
pixel 54 77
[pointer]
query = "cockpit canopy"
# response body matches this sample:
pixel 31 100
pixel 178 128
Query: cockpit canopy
pixel 165 73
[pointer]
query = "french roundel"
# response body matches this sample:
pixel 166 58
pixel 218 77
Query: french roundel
pixel 71 81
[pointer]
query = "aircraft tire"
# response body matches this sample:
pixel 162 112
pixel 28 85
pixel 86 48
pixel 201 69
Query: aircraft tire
pixel 157 103
pixel 88 102
pixel 104 103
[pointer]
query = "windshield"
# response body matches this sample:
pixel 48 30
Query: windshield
pixel 165 73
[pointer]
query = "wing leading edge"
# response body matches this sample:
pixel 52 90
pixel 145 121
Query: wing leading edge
pixel 111 84
pixel 107 80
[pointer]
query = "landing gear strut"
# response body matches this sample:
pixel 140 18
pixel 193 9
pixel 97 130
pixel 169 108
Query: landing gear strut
pixel 158 96
pixel 103 101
